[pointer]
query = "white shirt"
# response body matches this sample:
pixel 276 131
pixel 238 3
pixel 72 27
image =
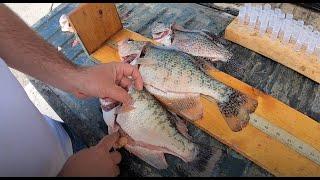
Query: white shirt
pixel 30 143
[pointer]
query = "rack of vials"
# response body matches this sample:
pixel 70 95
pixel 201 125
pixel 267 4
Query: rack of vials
pixel 281 26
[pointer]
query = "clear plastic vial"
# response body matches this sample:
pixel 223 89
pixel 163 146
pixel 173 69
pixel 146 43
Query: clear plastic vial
pixel 287 31
pixel 263 25
pixel 289 16
pixel 301 39
pixel 242 15
pixel 277 11
pixel 272 17
pixel 253 20
pixel 282 15
pixel 295 30
pixel 275 29
pixel 311 44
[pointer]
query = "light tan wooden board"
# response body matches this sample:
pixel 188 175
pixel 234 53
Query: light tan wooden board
pixel 300 61
pixel 265 151
pixel 94 23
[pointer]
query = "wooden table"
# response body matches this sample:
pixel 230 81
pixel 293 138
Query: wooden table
pixel 85 117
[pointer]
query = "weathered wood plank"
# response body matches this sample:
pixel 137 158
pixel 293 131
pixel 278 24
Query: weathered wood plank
pixel 95 23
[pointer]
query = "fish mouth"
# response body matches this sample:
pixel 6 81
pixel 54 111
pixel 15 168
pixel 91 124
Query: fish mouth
pixel 131 51
pixel 161 35
pixel 108 104
pixel 129 58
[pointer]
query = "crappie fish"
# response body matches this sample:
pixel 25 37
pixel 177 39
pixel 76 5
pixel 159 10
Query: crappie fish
pixel 173 78
pixel 199 43
pixel 150 130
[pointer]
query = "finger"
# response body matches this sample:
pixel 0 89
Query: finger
pixel 108 141
pixel 129 70
pixel 125 82
pixel 80 95
pixel 116 170
pixel 119 94
pixel 116 157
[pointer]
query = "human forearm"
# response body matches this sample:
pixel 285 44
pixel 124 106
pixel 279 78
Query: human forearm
pixel 24 50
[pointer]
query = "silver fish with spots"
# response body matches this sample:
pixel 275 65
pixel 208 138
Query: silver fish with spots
pixel 173 78
pixel 151 130
pixel 199 43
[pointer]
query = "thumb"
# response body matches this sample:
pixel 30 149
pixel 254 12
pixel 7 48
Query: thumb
pixel 119 94
pixel 80 95
pixel 108 141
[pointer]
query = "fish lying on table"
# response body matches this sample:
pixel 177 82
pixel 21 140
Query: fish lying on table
pixel 199 43
pixel 150 131
pixel 173 78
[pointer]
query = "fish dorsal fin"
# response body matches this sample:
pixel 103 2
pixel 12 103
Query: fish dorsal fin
pixel 208 34
pixel 146 61
pixel 204 32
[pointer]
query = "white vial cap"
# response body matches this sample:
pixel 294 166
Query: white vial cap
pixel 309 28
pixel 277 11
pixel 300 22
pixel 267 6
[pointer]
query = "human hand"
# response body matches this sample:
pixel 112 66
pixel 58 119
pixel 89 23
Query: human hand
pixel 94 161
pixel 110 80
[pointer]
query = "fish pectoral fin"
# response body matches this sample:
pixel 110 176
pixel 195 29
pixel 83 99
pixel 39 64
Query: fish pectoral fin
pixel 208 34
pixel 216 39
pixel 146 61
pixel 175 26
pixel 202 63
pixel 153 157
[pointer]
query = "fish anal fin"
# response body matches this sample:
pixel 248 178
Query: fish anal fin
pixel 153 157
pixel 182 127
pixel 187 105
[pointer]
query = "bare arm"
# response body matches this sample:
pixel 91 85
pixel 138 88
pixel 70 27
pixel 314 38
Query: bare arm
pixel 24 50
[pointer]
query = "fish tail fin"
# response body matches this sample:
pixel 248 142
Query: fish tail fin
pixel 237 109
pixel 207 156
